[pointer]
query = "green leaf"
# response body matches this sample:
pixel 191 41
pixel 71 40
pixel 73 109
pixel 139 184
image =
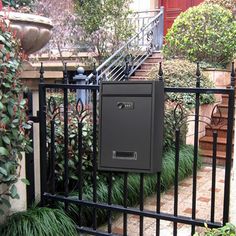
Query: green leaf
pixel 4 151
pixel 5 120
pixel 13 192
pixel 6 202
pixel 6 139
pixel 1 106
pixel 25 181
pixel 3 171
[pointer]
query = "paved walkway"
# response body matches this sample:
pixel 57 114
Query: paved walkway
pixel 185 205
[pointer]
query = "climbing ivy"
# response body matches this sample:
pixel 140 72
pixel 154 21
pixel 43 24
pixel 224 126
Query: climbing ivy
pixel 13 117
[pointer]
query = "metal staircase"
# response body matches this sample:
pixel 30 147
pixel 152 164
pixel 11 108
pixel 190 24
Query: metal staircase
pixel 128 59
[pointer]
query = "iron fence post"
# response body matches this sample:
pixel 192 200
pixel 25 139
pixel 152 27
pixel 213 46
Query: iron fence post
pixel 230 124
pixel 42 127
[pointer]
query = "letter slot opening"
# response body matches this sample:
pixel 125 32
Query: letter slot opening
pixel 124 155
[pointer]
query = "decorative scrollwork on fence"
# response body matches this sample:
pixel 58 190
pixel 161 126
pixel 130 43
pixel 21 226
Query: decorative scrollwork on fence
pixel 150 42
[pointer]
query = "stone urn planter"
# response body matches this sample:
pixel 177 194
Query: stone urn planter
pixel 34 31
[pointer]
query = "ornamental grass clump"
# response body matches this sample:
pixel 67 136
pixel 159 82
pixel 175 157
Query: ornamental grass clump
pixel 13 118
pixel 39 222
pixel 205 33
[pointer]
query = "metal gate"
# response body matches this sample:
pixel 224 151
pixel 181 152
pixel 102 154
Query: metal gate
pixel 63 167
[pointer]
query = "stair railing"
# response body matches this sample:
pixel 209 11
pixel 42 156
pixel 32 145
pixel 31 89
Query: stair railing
pixel 128 58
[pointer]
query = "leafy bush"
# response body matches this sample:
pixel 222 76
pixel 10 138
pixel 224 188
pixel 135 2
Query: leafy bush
pixel 179 73
pixel 13 117
pixel 182 73
pixel 55 101
pixel 17 3
pixel 39 222
pixel 105 26
pixel 227 230
pixel 229 4
pixel 205 33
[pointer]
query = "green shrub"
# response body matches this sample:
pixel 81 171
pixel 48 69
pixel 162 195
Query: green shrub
pixel 13 117
pixel 229 4
pixel 205 33
pixel 39 222
pixel 182 73
pixel 73 152
pixel 179 73
pixel 227 230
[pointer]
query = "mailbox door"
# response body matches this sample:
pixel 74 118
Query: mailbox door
pixel 125 137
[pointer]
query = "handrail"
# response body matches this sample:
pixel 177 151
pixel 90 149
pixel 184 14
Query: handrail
pixel 153 31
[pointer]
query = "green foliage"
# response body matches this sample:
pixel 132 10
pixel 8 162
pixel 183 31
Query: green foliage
pixel 73 155
pixel 105 25
pixel 205 33
pixel 167 179
pixel 13 118
pixel 39 222
pixel 180 73
pixel 17 3
pixel 227 230
pixel 229 4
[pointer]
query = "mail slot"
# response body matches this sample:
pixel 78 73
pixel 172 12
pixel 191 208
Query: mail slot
pixel 131 126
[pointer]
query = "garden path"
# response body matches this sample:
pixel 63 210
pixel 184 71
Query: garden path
pixel 185 203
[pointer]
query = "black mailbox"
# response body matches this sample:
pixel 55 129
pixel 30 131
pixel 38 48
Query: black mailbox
pixel 131 126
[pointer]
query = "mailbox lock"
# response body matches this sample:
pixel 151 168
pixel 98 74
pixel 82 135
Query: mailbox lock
pixel 120 105
pixel 125 105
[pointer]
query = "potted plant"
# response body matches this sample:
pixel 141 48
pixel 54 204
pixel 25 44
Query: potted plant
pixel 33 30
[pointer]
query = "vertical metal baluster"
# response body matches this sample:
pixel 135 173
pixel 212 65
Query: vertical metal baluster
pixel 43 136
pixel 29 157
pixel 66 138
pixel 109 225
pixel 160 72
pixel 143 40
pixel 53 156
pixel 94 158
pixel 158 207
pixel 213 183
pixel 177 134
pixel 141 197
pixel 232 79
pixel 80 174
pixel 125 203
pixel 196 127
pixel 230 124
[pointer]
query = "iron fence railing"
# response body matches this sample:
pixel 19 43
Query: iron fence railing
pixel 49 156
pixel 127 59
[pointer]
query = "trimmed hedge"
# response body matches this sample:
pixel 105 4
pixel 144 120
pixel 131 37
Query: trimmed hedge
pixel 205 33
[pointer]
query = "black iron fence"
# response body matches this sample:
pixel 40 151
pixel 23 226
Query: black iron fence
pixel 68 160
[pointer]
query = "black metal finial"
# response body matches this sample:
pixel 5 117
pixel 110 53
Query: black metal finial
pixel 198 74
pixel 41 72
pixel 65 73
pixel 232 75
pixel 160 72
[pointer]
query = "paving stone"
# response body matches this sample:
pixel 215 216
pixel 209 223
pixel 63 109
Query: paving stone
pixel 203 205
